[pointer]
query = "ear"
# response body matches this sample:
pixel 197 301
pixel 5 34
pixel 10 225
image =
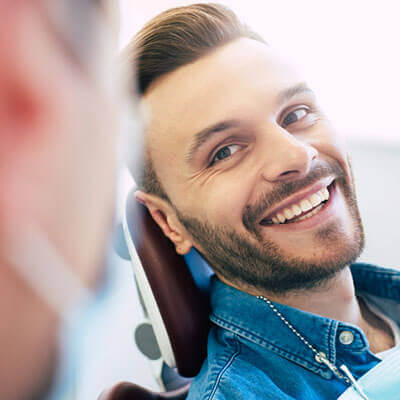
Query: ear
pixel 165 216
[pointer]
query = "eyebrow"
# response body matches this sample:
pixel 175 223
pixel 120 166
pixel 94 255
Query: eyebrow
pixel 292 91
pixel 204 135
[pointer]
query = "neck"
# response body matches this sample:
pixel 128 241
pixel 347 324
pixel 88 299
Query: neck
pixel 335 299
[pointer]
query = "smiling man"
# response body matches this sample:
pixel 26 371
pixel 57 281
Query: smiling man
pixel 242 164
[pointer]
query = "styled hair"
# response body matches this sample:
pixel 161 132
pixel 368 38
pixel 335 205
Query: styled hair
pixel 172 39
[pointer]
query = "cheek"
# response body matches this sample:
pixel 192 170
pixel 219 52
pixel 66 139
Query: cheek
pixel 332 144
pixel 226 199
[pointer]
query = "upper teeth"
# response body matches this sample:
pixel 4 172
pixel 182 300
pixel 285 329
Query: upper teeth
pixel 303 206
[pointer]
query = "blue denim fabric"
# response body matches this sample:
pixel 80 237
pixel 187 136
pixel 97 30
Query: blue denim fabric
pixel 253 355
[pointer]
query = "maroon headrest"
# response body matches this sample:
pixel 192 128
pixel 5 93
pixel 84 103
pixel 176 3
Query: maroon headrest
pixel 183 308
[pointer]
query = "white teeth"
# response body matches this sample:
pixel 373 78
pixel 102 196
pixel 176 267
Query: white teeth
pixel 315 199
pixel 296 209
pixel 325 193
pixel 275 220
pixel 288 213
pixel 305 205
pixel 313 212
pixel 281 218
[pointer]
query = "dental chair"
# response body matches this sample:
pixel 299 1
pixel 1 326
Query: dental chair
pixel 174 293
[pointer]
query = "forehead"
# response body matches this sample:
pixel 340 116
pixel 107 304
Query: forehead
pixel 238 80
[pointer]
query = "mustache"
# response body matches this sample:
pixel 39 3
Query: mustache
pixel 253 213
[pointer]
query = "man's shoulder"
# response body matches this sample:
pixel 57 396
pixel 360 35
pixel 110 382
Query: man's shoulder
pixel 382 282
pixel 374 269
pixel 227 374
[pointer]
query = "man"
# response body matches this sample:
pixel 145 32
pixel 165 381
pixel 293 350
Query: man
pixel 242 164
pixel 57 173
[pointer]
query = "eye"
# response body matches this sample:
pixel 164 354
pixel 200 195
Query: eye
pixel 294 116
pixel 225 152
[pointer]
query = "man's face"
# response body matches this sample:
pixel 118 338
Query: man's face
pixel 255 172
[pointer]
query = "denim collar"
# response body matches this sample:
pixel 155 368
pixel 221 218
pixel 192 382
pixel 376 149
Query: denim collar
pixel 251 318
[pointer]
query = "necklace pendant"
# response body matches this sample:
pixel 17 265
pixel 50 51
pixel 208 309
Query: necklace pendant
pixel 353 382
pixel 322 358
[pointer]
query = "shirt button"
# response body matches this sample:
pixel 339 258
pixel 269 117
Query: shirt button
pixel 346 337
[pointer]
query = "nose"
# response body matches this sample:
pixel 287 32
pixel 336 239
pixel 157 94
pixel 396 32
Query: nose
pixel 289 157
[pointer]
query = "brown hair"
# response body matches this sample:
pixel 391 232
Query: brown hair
pixel 173 39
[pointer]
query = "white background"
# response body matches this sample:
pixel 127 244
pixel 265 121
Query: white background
pixel 348 49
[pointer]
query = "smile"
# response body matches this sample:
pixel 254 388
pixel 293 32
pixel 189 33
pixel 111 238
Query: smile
pixel 301 208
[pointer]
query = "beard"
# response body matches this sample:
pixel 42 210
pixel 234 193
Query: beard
pixel 253 261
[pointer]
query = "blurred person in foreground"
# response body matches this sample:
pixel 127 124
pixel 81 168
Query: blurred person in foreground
pixel 57 174
pixel 242 164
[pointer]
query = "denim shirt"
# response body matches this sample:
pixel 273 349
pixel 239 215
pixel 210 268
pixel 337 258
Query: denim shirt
pixel 252 354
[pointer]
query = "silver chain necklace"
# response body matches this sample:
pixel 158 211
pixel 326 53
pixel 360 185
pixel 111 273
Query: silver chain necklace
pixel 342 372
